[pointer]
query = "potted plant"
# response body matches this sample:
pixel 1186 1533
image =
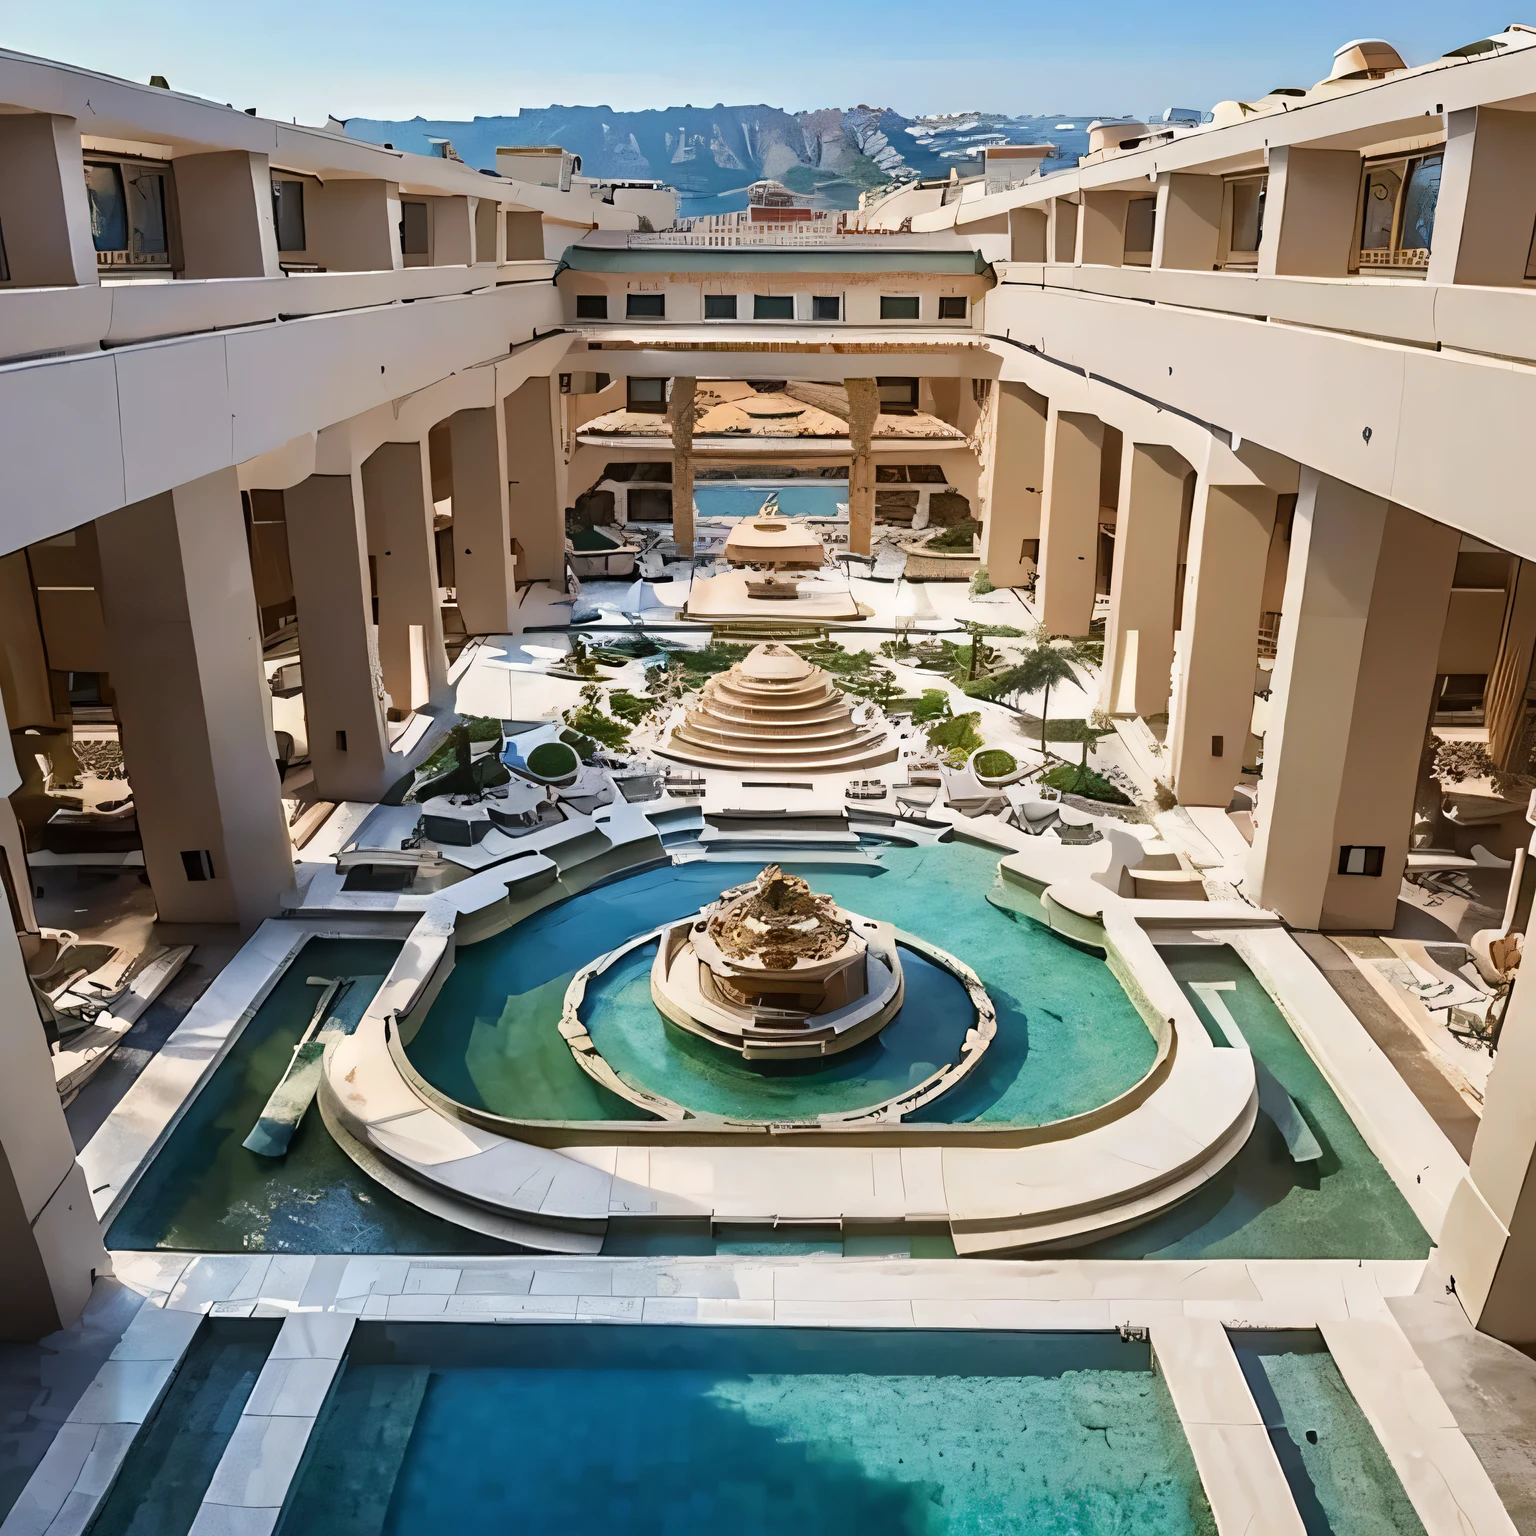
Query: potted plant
pixel 554 762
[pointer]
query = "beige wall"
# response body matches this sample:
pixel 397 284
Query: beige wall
pixel 1013 483
pixel 537 516
pixel 46 221
pixel 225 206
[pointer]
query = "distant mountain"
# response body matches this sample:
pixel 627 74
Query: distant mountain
pixel 712 154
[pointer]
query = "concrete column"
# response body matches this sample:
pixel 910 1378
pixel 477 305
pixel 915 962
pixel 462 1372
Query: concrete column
pixel 1061 237
pixel 43 207
pixel 224 202
pixel 484 572
pixel 452 232
pixel 1101 229
pixel 538 521
pixel 1212 709
pixel 353 226
pixel 1028 233
pixel 397 502
pixel 1504 702
pixel 1487 203
pixel 487 229
pixel 1309 212
pixel 1138 639
pixel 680 418
pixel 48 1231
pixel 1365 602
pixel 1488 1240
pixel 863 411
pixel 1188 233
pixel 185 647
pixel 1017 473
pixel 1069 521
pixel 338 647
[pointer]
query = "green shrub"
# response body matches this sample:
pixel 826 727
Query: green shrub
pixel 934 705
pixel 582 746
pixel 630 706
pixel 995 764
pixel 959 538
pixel 981 583
pixel 552 760
pixel 1076 779
pixel 595 727
pixel 956 738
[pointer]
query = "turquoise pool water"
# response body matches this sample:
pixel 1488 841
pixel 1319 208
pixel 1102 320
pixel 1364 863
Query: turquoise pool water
pixel 1342 1479
pixel 173 1457
pixel 1068 1038
pixel 796 499
pixel 205 1192
pixel 543 1429
pixel 1263 1205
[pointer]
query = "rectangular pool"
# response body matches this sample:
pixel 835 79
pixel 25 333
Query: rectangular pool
pixel 470 1429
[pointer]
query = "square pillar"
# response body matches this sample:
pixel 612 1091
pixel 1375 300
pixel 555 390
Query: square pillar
pixel 338 647
pixel 1187 237
pixel 397 506
pixel 1309 212
pixel 353 226
pixel 1061 236
pixel 863 413
pixel 224 202
pixel 1138 639
pixel 1212 709
pixel 452 232
pixel 1366 595
pixel 1488 1239
pixel 484 573
pixel 43 207
pixel 1069 521
pixel 1101 229
pixel 1487 204
pixel 1010 541
pixel 537 519
pixel 1028 234
pixel 192 699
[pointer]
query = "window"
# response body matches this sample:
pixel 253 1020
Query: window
pixel 952 306
pixel 826 307
pixel 1397 214
pixel 129 220
pixel 645 306
pixel 773 306
pixel 1245 216
pixel 288 214
pixel 898 397
pixel 413 229
pixel 591 306
pixel 5 266
pixel 899 306
pixel 719 306
pixel 648 396
pixel 1140 226
pixel 1361 859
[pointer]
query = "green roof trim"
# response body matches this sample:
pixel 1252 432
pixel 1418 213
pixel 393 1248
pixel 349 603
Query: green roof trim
pixel 577 258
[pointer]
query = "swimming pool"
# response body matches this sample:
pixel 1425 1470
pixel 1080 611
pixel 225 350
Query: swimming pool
pixel 814 498
pixel 542 1428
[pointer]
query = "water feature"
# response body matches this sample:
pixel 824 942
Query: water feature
pixel 1340 1475
pixel 1068 1037
pixel 796 498
pixel 659 1429
pixel 173 1457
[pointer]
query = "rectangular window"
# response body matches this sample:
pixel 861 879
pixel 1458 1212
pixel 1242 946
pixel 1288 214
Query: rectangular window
pixel 591 306
pixel 647 396
pixel 1247 215
pixel 898 397
pixel 1397 213
pixel 645 306
pixel 1361 859
pixel 413 229
pixel 899 306
pixel 773 306
pixel 1140 226
pixel 826 307
pixel 719 306
pixel 130 221
pixel 288 214
pixel 952 306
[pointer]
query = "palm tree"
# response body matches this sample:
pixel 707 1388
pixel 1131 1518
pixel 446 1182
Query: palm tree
pixel 1041 670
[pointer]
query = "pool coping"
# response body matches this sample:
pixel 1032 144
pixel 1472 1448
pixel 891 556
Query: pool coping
pixel 1185 1305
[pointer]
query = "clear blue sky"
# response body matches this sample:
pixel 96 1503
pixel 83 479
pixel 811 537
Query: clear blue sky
pixel 457 58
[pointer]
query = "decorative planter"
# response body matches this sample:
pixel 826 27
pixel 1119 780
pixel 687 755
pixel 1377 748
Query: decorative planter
pixel 990 781
pixel 925 564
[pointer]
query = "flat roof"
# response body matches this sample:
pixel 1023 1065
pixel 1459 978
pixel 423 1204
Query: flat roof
pixel 771 258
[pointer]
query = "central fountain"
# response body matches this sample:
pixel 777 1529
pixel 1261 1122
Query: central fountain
pixel 775 971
